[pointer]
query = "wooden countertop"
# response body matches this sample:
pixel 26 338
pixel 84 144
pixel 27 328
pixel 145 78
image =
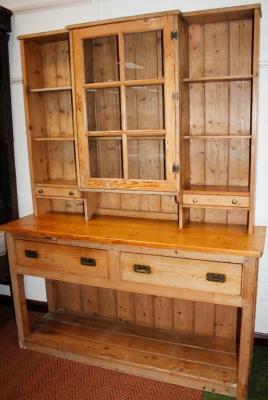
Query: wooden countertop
pixel 214 238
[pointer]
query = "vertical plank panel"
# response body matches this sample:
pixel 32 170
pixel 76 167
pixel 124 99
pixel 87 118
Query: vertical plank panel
pixel 184 316
pixel 144 309
pixel 163 312
pixel 217 110
pixel 52 292
pixel 89 300
pixel 107 303
pixel 225 321
pixel 125 306
pixel 240 109
pixel 204 319
pixel 70 297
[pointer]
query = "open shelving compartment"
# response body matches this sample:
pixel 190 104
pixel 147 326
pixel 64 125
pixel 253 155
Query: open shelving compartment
pixel 96 337
pixel 51 127
pixel 219 141
pixel 153 353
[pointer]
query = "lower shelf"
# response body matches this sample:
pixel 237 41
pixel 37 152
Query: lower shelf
pixel 198 362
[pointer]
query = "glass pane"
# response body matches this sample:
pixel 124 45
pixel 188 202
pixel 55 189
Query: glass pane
pixel 101 59
pixel 103 109
pixel 105 156
pixel 144 55
pixel 146 159
pixel 145 107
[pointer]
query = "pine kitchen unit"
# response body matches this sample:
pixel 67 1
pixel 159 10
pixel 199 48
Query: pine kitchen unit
pixel 142 147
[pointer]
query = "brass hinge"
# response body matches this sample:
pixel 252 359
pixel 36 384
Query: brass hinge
pixel 174 35
pixel 175 168
pixel 175 96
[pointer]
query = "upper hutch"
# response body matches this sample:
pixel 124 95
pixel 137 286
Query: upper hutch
pixel 146 126
pixel 156 113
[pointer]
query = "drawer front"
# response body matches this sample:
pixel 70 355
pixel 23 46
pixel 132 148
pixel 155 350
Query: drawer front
pixel 75 260
pixel 201 275
pixel 215 200
pixel 57 191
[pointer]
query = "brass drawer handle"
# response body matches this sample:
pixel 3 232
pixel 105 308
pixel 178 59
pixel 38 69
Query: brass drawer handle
pixel 142 269
pixel 31 253
pixel 90 262
pixel 195 200
pixel 212 277
pixel 234 201
pixel 40 191
pixel 71 193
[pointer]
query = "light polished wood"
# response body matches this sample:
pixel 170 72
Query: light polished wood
pixel 154 117
pixel 215 200
pixel 211 238
pixel 172 272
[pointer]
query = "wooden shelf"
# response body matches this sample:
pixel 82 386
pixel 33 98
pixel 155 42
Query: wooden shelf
pixel 150 352
pixel 220 78
pixel 214 189
pixel 53 139
pixel 205 137
pixel 57 182
pixel 50 89
pixel 134 82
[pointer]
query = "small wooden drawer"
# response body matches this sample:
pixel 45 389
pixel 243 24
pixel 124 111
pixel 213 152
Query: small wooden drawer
pixel 215 200
pixel 57 258
pixel 201 275
pixel 57 191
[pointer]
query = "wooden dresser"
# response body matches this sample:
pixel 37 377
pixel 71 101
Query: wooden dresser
pixel 142 147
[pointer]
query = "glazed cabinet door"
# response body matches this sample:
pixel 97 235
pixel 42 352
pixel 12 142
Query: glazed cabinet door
pixel 125 97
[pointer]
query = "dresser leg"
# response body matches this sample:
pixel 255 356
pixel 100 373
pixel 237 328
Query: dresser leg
pixel 17 282
pixel 250 274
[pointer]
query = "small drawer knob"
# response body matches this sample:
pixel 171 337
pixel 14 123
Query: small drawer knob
pixel 71 193
pixel 195 200
pixel 40 191
pixel 234 201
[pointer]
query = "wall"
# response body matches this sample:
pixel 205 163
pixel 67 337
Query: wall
pixel 36 16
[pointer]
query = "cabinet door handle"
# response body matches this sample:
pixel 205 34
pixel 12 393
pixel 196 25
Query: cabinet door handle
pixel 71 193
pixel 213 277
pixel 195 200
pixel 234 201
pixel 31 253
pixel 142 269
pixel 40 191
pixel 90 262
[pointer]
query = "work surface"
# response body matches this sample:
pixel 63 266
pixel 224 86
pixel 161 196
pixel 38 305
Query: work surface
pixel 213 238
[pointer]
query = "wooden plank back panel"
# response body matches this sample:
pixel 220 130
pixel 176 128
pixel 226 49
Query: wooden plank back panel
pixel 218 108
pixel 240 110
pixel 56 63
pixel 172 314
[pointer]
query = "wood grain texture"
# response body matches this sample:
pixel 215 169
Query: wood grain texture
pixel 232 240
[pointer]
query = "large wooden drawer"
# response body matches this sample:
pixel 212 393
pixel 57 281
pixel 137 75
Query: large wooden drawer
pixel 75 260
pixel 201 275
pixel 215 200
